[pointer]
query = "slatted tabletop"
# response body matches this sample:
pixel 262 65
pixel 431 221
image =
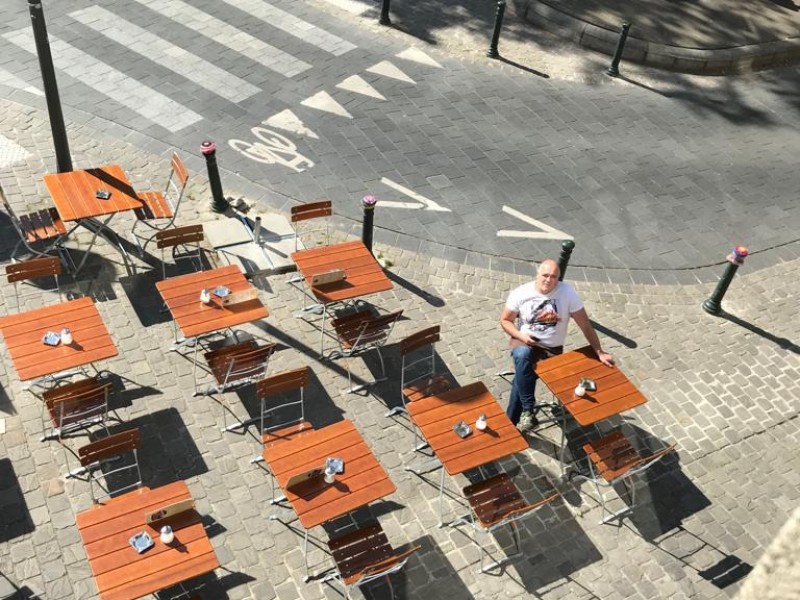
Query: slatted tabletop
pixel 436 415
pixel 119 571
pixel 364 480
pixel 74 197
pixel 615 393
pixel 364 275
pixel 33 358
pixel 182 297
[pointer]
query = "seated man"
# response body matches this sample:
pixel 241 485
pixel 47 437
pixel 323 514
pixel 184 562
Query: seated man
pixel 543 308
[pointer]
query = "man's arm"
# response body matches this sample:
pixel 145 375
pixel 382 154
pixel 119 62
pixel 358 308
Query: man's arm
pixel 508 321
pixel 582 320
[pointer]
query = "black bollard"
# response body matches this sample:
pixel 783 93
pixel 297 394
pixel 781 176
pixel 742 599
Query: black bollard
pixel 59 131
pixel 368 202
pixel 492 52
pixel 385 20
pixel 713 305
pixel 613 69
pixel 209 150
pixel 567 246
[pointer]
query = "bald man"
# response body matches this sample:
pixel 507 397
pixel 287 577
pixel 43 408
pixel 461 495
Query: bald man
pixel 536 316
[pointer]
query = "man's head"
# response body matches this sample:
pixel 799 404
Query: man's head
pixel 547 276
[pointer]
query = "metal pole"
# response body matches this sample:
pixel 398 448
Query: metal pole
pixel 385 20
pixel 613 69
pixel 713 305
pixel 368 202
pixel 567 246
pixel 492 52
pixel 59 131
pixel 209 150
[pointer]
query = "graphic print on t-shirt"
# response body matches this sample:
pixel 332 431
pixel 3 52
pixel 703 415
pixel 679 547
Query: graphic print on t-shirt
pixel 545 315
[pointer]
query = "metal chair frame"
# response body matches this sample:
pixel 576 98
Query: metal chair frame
pixel 34 268
pixel 180 239
pixel 623 462
pixel 166 203
pixel 310 211
pixel 110 448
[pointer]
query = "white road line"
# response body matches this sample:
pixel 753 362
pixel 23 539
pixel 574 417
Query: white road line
pixel 426 203
pixel 272 58
pixel 166 54
pixel 418 56
pixel 107 80
pixel 11 152
pixel 324 101
pixel 546 233
pixel 352 6
pixel 11 80
pixel 311 34
pixel 356 84
pixel 288 121
pixel 387 69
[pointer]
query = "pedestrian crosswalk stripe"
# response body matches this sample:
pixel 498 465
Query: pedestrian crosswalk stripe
pixel 272 58
pixel 294 26
pixel 418 56
pixel 166 54
pixel 352 6
pixel 11 152
pixel 12 81
pixel 387 69
pixel 288 121
pixel 324 101
pixel 113 83
pixel 356 84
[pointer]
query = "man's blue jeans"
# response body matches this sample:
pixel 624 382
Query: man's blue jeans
pixel 525 378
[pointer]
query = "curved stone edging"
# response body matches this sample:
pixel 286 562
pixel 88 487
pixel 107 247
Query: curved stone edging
pixel 741 59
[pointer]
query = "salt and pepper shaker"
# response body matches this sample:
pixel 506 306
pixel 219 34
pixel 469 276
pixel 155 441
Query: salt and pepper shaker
pixel 167 535
pixel 66 336
pixel 330 474
pixel 205 296
pixel 480 424
pixel 580 390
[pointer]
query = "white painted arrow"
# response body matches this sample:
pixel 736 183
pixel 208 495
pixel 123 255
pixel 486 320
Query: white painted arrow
pixel 546 233
pixel 425 203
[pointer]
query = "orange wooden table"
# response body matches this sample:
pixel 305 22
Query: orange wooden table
pixel 74 196
pixel 614 395
pixel 436 415
pixel 119 571
pixel 33 359
pixel 363 275
pixel 364 480
pixel 182 297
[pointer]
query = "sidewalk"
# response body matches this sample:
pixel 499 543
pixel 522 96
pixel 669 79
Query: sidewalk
pixel 724 389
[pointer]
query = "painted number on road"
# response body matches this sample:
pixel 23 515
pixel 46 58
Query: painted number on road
pixel 545 231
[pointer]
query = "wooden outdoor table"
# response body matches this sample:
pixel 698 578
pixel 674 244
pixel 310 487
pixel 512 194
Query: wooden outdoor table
pixel 436 415
pixel 119 571
pixel 74 196
pixel 182 297
pixel 615 393
pixel 364 275
pixel 364 480
pixel 34 359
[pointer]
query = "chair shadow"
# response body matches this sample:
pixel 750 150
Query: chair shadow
pixel 209 586
pixel 6 406
pixel 16 592
pixel 124 391
pixel 15 518
pixel 782 343
pixel 145 299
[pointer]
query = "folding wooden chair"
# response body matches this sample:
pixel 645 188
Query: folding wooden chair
pixel 234 367
pixel 612 459
pixel 181 240
pixel 419 376
pixel 317 231
pixel 282 419
pixel 159 209
pixel 364 555
pixel 114 447
pixel 76 405
pixel 496 502
pixel 43 228
pixel 35 268
pixel 361 332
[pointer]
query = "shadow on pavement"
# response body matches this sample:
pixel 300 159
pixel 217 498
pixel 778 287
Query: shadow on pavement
pixel 6 406
pixel 783 343
pixel 15 519
pixel 431 299
pixel 625 341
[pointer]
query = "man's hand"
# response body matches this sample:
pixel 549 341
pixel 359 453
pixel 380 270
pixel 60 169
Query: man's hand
pixel 529 339
pixel 606 358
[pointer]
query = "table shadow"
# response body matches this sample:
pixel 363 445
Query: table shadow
pixel 6 406
pixel 145 299
pixel 16 592
pixel 15 518
pixel 209 585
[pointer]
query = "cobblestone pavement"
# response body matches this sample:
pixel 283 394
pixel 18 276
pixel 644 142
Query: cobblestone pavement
pixel 723 389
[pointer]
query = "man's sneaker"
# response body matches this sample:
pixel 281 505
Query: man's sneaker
pixel 527 421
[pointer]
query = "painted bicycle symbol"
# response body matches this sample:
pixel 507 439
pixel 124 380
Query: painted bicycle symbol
pixel 272 149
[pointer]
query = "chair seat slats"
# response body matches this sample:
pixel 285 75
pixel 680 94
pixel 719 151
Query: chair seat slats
pixel 42 225
pixel 154 206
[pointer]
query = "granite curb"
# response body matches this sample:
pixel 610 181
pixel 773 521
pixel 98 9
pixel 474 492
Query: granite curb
pixel 697 61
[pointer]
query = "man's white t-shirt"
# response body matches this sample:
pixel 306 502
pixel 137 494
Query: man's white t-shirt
pixel 545 316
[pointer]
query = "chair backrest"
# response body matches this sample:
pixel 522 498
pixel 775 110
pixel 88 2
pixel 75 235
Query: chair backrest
pixel 180 237
pixel 176 184
pixel 48 266
pixel 282 383
pixel 365 554
pixel 419 376
pixel 363 330
pixel 304 231
pixel 78 404
pixel 93 455
pixel 496 501
pixel 247 365
pixel 613 457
